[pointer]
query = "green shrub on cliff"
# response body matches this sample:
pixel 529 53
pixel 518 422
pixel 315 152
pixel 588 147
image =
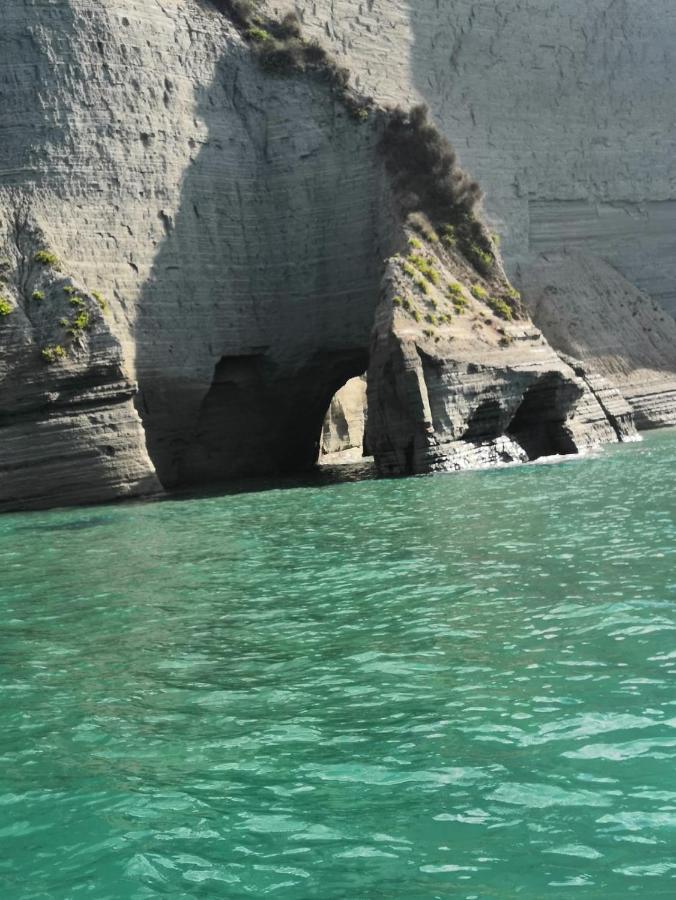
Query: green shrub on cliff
pixel 513 300
pixel 47 258
pixel 79 324
pixel 260 35
pixel 53 353
pixel 282 50
pixel 5 307
pixel 424 166
pixel 448 235
pixel 242 12
pixel 38 296
pixel 101 300
pixel 425 267
pixel 479 292
pixel 423 226
pixel 482 259
pixel 430 184
pixel 421 282
pixel 500 308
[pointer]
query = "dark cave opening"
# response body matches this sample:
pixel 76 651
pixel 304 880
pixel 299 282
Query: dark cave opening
pixel 539 425
pixel 485 422
pixel 263 417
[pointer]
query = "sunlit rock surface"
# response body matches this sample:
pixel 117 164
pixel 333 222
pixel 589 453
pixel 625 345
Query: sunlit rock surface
pixel 453 384
pixel 564 111
pixel 238 225
pixel 586 309
pixel 342 437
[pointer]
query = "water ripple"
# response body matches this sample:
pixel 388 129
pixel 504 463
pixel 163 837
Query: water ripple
pixel 447 686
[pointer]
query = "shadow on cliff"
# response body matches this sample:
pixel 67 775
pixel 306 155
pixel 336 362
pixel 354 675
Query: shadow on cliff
pixel 261 298
pixel 459 60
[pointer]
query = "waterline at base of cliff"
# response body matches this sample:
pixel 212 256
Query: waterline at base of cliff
pixel 452 684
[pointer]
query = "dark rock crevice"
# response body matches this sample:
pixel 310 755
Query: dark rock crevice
pixel 258 419
pixel 539 425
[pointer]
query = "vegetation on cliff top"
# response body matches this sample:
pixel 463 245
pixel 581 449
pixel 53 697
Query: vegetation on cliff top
pixel 281 49
pixel 427 178
pixel 431 187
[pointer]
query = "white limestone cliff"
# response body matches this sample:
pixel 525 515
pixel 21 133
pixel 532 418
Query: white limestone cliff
pixel 564 112
pixel 237 224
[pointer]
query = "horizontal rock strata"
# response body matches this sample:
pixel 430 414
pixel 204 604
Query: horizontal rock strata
pixel 236 224
pixel 454 385
pixel 562 110
pixel 68 427
pixel 587 310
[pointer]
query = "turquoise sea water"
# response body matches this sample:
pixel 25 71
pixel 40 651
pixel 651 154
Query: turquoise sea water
pixel 454 686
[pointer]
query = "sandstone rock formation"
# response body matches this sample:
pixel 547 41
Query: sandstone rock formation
pixel 237 224
pixel 235 221
pixel 68 427
pixel 342 438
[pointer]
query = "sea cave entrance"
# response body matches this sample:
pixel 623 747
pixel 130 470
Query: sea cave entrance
pixel 539 425
pixel 265 417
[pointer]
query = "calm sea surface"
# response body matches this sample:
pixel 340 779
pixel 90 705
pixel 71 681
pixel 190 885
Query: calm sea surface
pixel 452 686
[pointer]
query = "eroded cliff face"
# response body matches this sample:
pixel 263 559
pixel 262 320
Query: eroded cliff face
pixel 237 225
pixel 68 427
pixel 585 307
pixel 565 114
pixel 563 111
pixel 461 378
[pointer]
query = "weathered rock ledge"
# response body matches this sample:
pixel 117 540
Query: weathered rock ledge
pixel 453 385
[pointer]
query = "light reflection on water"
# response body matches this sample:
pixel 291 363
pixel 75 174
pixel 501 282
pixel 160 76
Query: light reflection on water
pixel 446 686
